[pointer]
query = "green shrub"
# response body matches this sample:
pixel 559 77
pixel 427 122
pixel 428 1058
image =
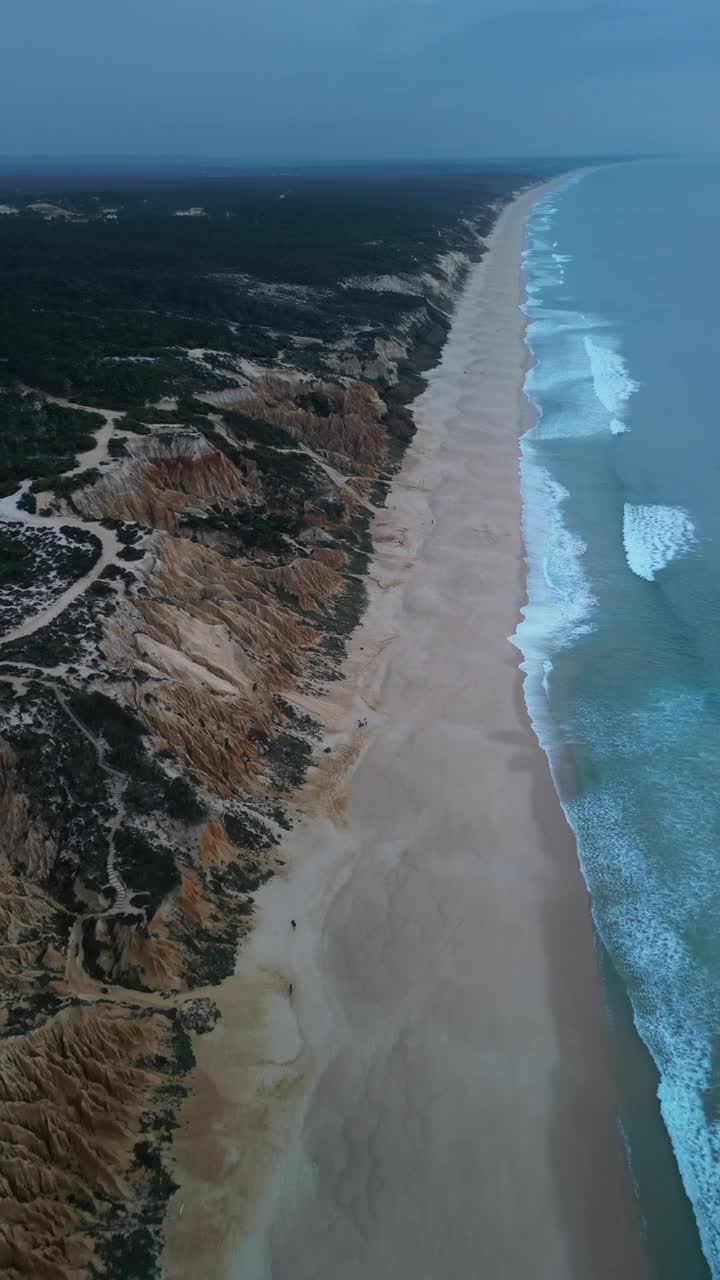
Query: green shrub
pixel 181 801
pixel 146 868
pixel 245 427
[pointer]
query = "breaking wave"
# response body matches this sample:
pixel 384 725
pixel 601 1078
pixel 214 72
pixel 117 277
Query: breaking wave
pixel 560 602
pixel 655 535
pixel 580 380
pixel 611 381
pixel 645 821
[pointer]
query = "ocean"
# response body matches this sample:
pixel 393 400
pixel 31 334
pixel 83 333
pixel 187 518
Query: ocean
pixel 620 641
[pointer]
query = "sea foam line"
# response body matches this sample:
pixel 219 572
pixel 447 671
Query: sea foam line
pixel 560 602
pixel 645 923
pixel 577 366
pixel 560 608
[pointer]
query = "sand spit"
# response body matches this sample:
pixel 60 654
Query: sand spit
pixel 433 1095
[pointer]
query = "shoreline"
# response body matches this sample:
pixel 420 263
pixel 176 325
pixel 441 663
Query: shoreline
pixel 316 1109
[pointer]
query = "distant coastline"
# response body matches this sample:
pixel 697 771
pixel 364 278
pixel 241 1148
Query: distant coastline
pixel 380 878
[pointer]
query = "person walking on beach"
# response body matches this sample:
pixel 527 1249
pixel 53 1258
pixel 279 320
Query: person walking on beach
pixel 294 924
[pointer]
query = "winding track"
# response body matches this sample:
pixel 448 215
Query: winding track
pixel 122 905
pixel 109 547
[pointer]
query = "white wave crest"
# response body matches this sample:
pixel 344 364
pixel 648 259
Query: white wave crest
pixel 655 535
pixel 560 601
pixel 611 381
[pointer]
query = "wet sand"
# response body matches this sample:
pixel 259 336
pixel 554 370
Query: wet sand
pixel 434 1098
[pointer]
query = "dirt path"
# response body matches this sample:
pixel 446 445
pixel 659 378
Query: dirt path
pixel 109 544
pixel 122 905
pixel 99 452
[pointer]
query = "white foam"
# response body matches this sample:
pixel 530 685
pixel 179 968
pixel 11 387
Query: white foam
pixel 655 535
pixel 611 379
pixel 582 405
pixel 579 374
pixel 560 602
pixel 643 924
pixel 559 381
pixel 643 920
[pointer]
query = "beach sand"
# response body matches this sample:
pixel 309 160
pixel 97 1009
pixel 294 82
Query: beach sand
pixel 434 1098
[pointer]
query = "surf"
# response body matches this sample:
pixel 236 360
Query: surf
pixel 654 535
pixel 616 676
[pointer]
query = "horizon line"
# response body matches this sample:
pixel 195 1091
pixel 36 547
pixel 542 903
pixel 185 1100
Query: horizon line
pixel 97 164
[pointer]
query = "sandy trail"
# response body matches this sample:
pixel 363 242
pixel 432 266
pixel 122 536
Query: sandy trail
pixel 109 547
pixel 434 1098
pixel 100 451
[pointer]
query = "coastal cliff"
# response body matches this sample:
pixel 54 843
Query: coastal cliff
pixel 159 716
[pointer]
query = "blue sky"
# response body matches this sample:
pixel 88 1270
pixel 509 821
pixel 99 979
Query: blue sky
pixel 358 80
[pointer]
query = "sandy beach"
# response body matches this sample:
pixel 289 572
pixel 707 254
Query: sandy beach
pixel 434 1096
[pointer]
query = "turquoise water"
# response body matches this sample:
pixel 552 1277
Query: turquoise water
pixel 621 637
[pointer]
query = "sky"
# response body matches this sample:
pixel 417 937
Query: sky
pixel 357 81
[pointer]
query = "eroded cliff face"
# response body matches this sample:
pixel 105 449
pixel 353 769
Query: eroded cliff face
pixel 77 1168
pixel 168 473
pixel 155 739
pixel 343 422
pixel 214 643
